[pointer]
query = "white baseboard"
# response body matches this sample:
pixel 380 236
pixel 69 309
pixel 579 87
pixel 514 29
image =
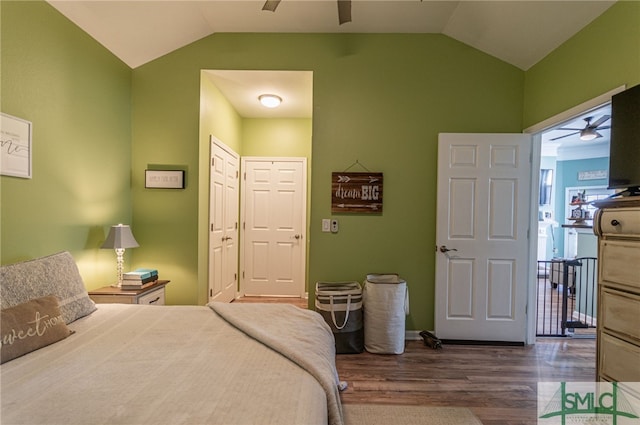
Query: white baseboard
pixel 412 335
pixel 583 317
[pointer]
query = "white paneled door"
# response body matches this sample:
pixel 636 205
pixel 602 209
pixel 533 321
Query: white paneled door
pixel 274 217
pixel 223 223
pixel 482 247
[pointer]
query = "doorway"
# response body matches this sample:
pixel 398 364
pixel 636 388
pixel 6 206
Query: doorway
pixel 573 155
pixel 230 109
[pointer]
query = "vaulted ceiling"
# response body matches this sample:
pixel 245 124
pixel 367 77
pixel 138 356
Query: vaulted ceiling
pixel 519 32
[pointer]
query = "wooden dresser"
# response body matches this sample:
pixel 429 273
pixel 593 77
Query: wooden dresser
pixel 617 225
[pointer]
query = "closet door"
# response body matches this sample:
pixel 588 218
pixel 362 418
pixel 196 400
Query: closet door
pixel 223 223
pixel 273 217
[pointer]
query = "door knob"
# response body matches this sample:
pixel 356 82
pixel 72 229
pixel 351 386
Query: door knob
pixel 297 236
pixel 443 248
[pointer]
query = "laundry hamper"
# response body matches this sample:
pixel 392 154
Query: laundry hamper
pixel 340 304
pixel 386 304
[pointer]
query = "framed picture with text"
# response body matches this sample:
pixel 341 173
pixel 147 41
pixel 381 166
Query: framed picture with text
pixel 356 193
pixel 15 153
pixel 164 179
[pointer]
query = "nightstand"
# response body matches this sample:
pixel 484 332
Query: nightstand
pixel 153 294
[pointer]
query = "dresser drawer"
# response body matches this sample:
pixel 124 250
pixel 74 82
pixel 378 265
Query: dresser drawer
pixel 620 313
pixel 621 260
pixel 619 222
pixel 154 297
pixel 111 299
pixel 619 360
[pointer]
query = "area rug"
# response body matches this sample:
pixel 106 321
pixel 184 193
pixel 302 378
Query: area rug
pixel 380 414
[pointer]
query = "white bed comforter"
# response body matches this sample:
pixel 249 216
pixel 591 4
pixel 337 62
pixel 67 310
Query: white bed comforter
pixel 310 345
pixel 136 364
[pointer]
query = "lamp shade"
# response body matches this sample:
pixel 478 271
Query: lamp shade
pixel 120 236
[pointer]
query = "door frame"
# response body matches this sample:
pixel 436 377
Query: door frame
pixel 303 230
pixel 536 131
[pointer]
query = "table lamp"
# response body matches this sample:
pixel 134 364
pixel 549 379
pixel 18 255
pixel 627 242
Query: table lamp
pixel 120 238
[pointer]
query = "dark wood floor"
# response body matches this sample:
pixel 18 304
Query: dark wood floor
pixel 549 310
pixel 499 384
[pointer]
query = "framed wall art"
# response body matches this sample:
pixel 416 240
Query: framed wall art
pixel 15 149
pixel 356 193
pixel 164 179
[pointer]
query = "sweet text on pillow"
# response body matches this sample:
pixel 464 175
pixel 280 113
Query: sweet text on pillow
pixel 30 326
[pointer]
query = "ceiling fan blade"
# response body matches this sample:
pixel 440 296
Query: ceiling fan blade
pixel 599 121
pixel 566 135
pixel 271 5
pixel 567 128
pixel 344 11
pixel 604 128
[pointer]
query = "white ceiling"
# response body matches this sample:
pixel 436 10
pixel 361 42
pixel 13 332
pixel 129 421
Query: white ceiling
pixel 519 32
pixel 242 89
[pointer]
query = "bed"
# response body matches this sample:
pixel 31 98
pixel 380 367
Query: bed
pixel 142 364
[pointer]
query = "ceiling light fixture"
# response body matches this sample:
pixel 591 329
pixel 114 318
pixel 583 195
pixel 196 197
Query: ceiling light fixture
pixel 270 100
pixel 588 134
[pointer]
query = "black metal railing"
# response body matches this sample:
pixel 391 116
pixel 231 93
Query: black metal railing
pixel 566 296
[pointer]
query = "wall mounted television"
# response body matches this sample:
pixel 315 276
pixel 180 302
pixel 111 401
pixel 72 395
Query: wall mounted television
pixel 624 155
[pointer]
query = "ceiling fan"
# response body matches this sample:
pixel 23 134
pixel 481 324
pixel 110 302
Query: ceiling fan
pixel 344 9
pixel 590 131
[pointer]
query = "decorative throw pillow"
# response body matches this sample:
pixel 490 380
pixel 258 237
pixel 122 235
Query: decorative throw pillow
pixel 55 274
pixel 30 326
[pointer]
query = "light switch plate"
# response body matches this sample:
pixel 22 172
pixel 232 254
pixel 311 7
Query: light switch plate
pixel 326 225
pixel 334 226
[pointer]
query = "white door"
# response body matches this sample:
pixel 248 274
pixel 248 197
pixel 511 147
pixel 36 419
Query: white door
pixel 274 217
pixel 223 223
pixel 482 250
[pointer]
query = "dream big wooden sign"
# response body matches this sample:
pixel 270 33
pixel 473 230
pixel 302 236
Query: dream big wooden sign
pixel 356 193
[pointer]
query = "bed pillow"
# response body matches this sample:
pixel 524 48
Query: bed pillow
pixel 30 326
pixel 55 274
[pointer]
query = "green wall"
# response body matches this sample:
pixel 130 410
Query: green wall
pixel 601 57
pixel 78 97
pixel 218 118
pixel 380 99
pixel 276 137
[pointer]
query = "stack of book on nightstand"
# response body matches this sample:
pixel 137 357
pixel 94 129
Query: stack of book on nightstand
pixel 139 278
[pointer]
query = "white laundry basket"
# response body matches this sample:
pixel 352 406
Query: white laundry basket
pixel 385 300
